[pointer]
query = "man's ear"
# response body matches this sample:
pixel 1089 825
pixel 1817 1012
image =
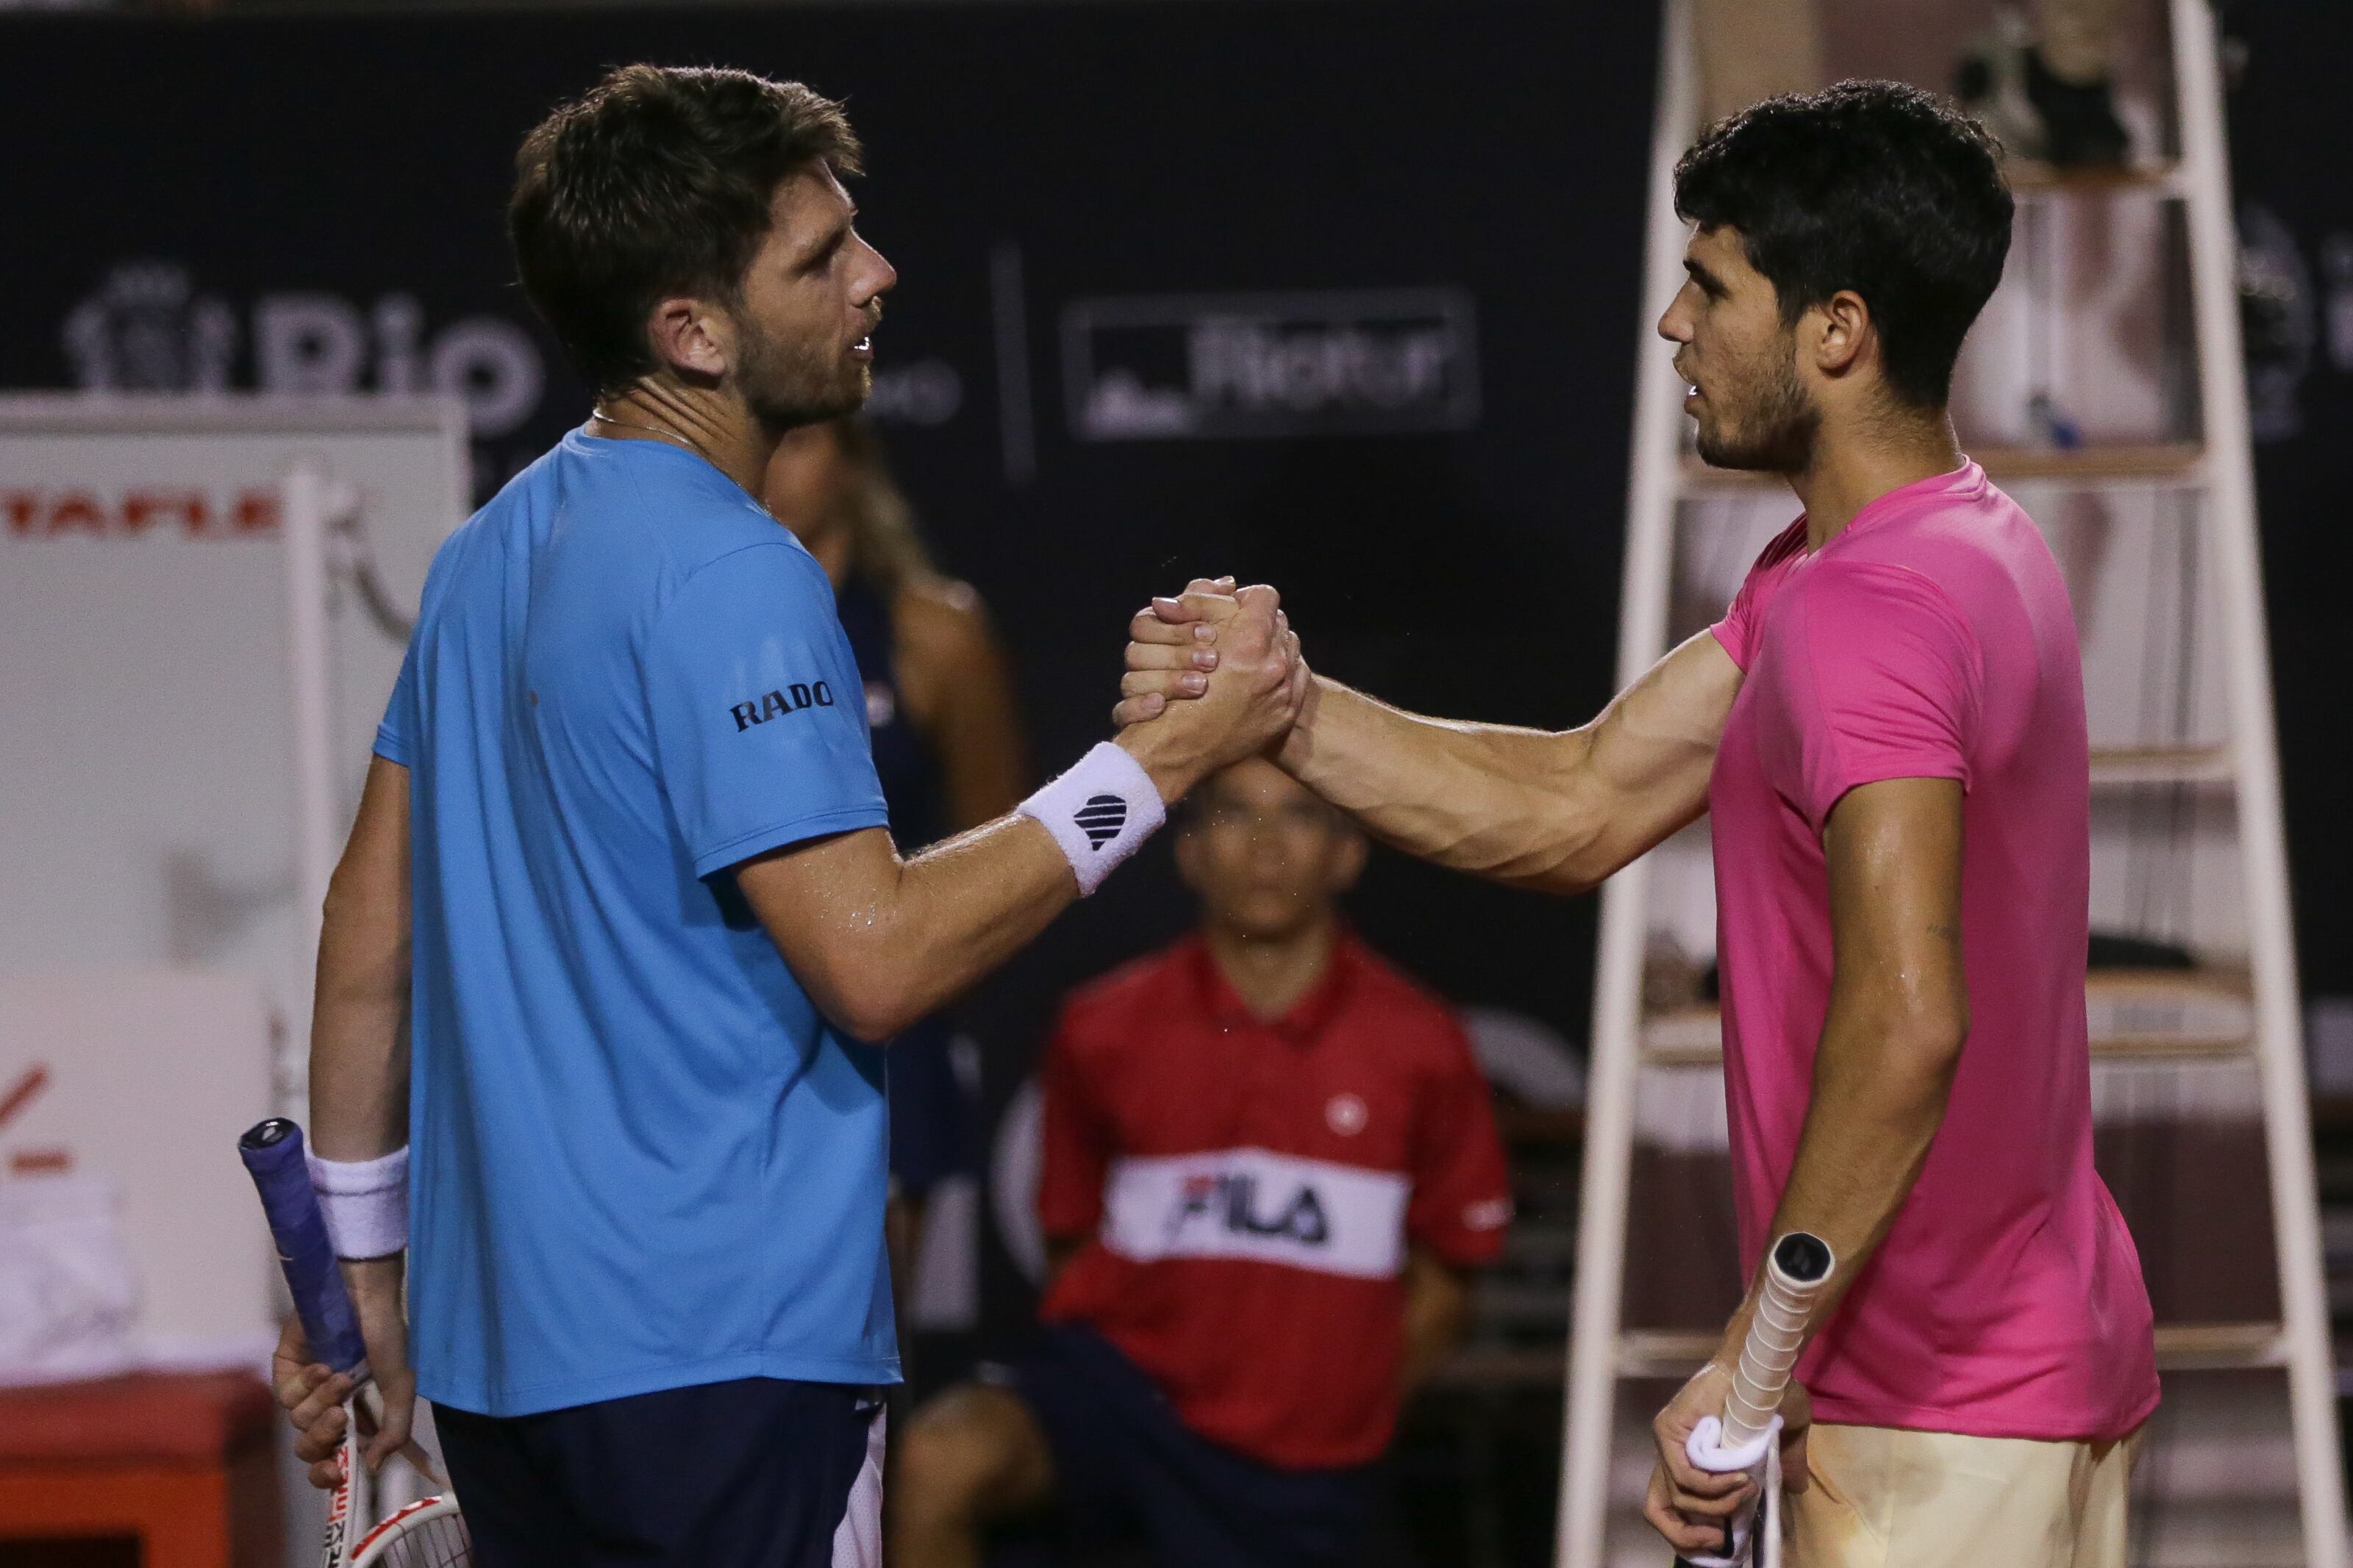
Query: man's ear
pixel 690 337
pixel 1841 333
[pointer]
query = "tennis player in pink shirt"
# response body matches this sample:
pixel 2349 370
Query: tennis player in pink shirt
pixel 1888 727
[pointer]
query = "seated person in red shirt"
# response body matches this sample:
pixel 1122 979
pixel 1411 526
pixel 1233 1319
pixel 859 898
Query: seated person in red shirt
pixel 1269 1158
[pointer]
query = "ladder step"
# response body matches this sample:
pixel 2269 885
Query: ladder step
pixel 2124 765
pixel 2180 1347
pixel 2030 177
pixel 2137 463
pixel 2136 1015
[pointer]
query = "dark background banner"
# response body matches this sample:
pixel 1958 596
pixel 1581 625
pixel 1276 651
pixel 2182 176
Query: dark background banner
pixel 1351 309
pixel 2292 147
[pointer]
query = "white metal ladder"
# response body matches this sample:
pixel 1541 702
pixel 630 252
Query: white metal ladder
pixel 2218 471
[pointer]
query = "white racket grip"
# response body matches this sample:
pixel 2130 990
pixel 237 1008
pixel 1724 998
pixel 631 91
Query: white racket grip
pixel 1796 1272
pixel 1706 1450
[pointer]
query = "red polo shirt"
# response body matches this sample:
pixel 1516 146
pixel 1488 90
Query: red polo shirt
pixel 1246 1189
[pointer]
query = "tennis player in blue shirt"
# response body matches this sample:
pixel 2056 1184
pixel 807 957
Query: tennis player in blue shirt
pixel 620 906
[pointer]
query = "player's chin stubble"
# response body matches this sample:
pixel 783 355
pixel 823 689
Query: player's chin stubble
pixel 1777 438
pixel 790 384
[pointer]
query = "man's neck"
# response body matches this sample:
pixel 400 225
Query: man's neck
pixel 1854 467
pixel 1271 975
pixel 714 425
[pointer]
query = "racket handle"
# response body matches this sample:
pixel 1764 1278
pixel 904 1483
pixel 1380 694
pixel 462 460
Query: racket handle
pixel 272 1153
pixel 1795 1274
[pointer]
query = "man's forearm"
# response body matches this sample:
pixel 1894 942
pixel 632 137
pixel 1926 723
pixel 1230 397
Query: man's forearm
pixel 359 1017
pixel 1559 811
pixel 881 943
pixel 1892 1035
pixel 1489 799
pixel 956 911
pixel 1882 1079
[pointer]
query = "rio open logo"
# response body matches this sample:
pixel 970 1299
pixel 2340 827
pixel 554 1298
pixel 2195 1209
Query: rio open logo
pixel 1214 366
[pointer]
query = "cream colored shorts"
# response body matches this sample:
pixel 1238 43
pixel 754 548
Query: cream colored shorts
pixel 1881 1498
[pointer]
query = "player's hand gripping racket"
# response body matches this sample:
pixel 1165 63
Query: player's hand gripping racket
pixel 1747 1435
pixel 428 1533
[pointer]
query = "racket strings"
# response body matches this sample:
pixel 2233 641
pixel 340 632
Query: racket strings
pixel 438 1541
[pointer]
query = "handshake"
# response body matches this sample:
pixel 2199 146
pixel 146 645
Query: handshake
pixel 1213 676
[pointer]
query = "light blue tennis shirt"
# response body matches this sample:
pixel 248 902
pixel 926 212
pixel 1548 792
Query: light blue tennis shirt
pixel 640 1158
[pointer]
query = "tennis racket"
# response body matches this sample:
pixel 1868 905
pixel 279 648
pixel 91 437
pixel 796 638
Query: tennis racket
pixel 428 1533
pixel 1746 1437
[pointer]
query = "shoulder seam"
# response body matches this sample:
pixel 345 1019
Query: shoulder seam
pixel 1951 606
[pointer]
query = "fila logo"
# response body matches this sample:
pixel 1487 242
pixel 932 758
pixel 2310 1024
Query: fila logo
pixel 1231 1198
pixel 772 704
pixel 1102 818
pixel 1254 1204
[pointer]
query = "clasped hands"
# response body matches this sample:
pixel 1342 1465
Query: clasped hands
pixel 1219 667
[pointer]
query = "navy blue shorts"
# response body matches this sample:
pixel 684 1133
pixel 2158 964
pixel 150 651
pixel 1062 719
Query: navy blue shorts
pixel 755 1473
pixel 1127 1469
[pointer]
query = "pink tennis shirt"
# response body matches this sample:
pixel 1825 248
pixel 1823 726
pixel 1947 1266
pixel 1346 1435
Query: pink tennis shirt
pixel 1933 639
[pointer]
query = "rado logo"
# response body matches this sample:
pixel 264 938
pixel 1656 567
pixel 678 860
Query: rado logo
pixel 776 704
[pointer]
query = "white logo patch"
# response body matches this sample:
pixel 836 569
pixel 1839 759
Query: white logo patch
pixel 1345 1114
pixel 1315 1214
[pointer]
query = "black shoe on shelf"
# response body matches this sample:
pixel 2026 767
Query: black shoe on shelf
pixel 2080 128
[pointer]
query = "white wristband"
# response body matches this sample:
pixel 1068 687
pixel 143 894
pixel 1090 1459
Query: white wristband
pixel 366 1203
pixel 1100 812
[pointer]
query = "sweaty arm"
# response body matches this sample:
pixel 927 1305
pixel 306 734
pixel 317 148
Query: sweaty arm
pixel 359 1111
pixel 880 941
pixel 1883 1071
pixel 1898 1014
pixel 359 1022
pixel 1556 811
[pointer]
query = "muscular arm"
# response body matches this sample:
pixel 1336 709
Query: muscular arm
pixel 1883 1068
pixel 359 1020
pixel 881 941
pixel 1555 811
pixel 359 1108
pixel 1898 1014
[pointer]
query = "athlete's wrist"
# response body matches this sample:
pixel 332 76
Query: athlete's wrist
pixel 365 1204
pixel 1174 768
pixel 1295 753
pixel 1099 813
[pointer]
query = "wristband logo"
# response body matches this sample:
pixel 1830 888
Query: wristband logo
pixel 770 705
pixel 1102 818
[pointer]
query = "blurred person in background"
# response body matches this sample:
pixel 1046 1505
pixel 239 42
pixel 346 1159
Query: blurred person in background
pixel 1270 1160
pixel 947 736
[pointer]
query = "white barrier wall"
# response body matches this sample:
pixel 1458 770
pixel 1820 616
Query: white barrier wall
pixel 144 738
pixel 146 784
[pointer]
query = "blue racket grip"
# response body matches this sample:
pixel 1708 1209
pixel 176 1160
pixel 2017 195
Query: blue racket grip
pixel 272 1153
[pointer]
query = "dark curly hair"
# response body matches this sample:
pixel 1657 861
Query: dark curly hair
pixel 657 181
pixel 1869 186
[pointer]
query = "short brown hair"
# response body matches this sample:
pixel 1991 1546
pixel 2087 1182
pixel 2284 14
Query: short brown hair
pixel 657 181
